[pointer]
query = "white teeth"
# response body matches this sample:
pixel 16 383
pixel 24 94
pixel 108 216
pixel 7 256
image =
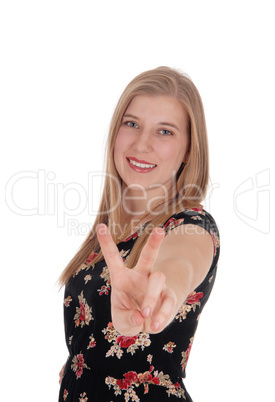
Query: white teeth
pixel 142 165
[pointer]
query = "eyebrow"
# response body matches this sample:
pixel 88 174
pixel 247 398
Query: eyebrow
pixel 169 124
pixel 161 123
pixel 130 115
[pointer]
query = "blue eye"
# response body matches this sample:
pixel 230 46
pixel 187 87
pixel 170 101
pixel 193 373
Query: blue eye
pixel 131 124
pixel 166 132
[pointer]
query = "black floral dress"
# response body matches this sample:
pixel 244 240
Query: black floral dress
pixel 104 366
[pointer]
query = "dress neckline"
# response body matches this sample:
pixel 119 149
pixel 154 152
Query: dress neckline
pixel 136 232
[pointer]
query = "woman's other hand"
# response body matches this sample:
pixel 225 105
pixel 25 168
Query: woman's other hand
pixel 61 374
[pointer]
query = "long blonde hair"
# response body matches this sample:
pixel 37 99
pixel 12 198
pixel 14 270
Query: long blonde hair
pixel 191 181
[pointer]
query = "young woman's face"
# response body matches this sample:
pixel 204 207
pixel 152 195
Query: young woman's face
pixel 151 143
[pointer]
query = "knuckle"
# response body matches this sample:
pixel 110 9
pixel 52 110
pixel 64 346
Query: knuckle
pixel 150 301
pixel 160 276
pixel 171 301
pixel 147 259
pixel 163 316
pixel 172 296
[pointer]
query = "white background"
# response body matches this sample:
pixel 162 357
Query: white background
pixel 63 67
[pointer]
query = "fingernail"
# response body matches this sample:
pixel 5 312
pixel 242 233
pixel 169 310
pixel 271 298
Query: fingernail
pixel 146 312
pixel 101 229
pixel 159 230
pixel 156 325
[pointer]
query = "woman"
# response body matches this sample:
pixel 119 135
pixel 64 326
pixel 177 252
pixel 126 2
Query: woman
pixel 136 288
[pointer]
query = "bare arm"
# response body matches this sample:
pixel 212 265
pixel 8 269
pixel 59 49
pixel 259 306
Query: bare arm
pixel 185 257
pixel 148 296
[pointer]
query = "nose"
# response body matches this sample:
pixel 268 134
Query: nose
pixel 143 141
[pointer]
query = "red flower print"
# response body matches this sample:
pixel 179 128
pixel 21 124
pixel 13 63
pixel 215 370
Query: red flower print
pixel 82 312
pixel 194 297
pixel 155 380
pixel 92 342
pixel 186 354
pixel 149 358
pixel 133 236
pixel 78 365
pixel 191 303
pixel 67 301
pixel 90 258
pixel 197 209
pixel 216 241
pixel 172 223
pixel 169 347
pixel 169 222
pixel 104 290
pixel 133 380
pixel 83 397
pixel 126 341
pixel 131 376
pixel 87 278
pixel 123 384
pixel 145 377
pixel 65 394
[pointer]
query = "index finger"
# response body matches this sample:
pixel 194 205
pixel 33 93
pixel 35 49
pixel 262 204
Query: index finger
pixel 150 251
pixel 108 247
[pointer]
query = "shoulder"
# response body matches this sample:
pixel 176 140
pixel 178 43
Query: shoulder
pixel 188 226
pixel 194 216
pixel 192 240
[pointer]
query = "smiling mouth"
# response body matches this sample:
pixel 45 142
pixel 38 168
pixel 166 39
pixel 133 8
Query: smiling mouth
pixel 141 165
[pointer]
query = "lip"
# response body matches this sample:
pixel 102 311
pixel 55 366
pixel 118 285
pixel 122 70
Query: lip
pixel 139 169
pixel 140 160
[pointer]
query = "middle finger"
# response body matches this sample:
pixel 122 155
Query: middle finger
pixel 150 251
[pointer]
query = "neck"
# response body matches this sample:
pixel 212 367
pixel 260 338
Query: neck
pixel 130 223
pixel 135 205
pixel 139 208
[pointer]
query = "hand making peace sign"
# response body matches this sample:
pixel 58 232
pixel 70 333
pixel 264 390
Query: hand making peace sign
pixel 140 300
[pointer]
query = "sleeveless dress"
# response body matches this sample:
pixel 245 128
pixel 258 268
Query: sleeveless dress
pixel 104 366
